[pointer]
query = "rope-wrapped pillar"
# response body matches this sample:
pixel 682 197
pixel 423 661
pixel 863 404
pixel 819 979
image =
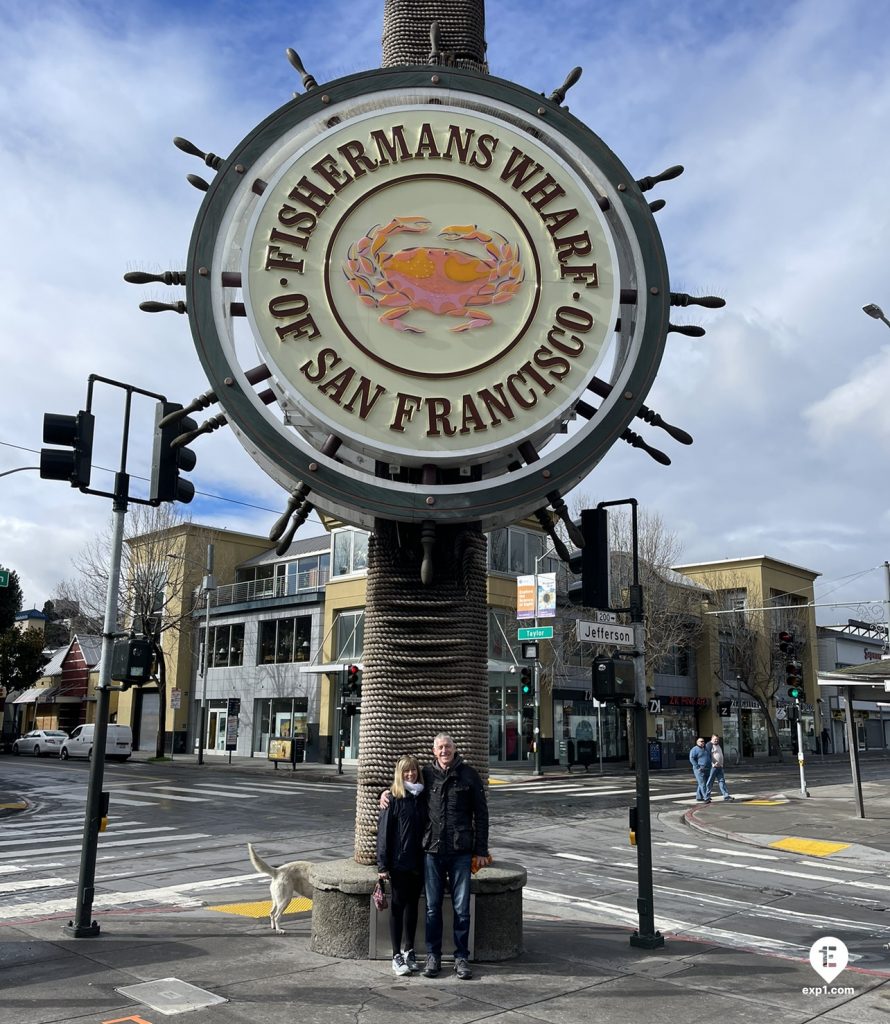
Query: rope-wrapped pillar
pixel 425 658
pixel 425 643
pixel 406 32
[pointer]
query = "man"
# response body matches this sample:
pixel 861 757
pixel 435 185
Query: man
pixel 715 755
pixel 701 766
pixel 456 833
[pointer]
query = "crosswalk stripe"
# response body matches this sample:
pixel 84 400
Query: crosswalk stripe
pixel 23 884
pixel 178 895
pixel 105 845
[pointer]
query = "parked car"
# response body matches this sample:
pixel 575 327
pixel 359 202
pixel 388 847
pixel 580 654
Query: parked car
pixel 118 743
pixel 40 741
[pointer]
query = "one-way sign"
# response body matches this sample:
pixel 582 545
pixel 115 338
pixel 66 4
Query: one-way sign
pixel 604 633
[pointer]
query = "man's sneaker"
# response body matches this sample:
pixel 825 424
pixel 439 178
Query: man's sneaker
pixel 411 961
pixel 398 965
pixel 433 966
pixel 462 969
pixel 728 798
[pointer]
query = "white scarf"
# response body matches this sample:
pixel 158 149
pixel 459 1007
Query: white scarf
pixel 414 788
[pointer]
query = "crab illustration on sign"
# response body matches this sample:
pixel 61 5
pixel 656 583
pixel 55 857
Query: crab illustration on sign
pixel 445 282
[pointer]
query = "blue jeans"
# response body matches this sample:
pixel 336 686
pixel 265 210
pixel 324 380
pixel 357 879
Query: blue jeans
pixel 718 777
pixel 456 868
pixel 702 789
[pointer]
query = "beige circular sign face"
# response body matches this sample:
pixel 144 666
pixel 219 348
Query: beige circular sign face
pixel 431 283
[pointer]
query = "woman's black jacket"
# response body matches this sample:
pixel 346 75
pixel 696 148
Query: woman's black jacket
pixel 400 834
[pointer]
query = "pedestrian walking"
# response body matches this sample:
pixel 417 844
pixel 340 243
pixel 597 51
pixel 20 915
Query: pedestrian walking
pixel 701 767
pixel 826 741
pixel 400 859
pixel 715 754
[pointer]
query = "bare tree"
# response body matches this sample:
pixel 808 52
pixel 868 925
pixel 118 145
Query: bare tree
pixel 152 600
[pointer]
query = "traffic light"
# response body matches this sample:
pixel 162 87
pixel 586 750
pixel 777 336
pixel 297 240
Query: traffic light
pixel 595 558
pixel 612 680
pixel 525 680
pixel 786 644
pixel 794 680
pixel 168 462
pixel 76 433
pixel 353 686
pixel 131 661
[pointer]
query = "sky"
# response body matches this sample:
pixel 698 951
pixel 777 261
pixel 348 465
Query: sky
pixel 778 111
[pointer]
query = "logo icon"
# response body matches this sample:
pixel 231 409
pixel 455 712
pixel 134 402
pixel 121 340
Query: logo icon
pixel 828 957
pixel 443 281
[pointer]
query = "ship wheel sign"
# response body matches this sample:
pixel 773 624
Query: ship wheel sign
pixel 407 286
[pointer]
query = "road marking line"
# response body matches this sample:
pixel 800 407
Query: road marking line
pixel 117 832
pixel 771 871
pixel 682 846
pixel 740 853
pixel 162 791
pixel 839 867
pixel 166 796
pixel 811 847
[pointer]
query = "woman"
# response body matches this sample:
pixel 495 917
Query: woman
pixel 400 858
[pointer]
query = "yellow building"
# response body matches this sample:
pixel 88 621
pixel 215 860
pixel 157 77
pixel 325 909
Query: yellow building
pixel 759 631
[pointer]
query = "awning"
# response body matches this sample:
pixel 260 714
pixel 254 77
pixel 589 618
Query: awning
pixel 330 668
pixel 37 693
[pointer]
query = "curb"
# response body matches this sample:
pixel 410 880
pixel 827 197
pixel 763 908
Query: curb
pixel 854 852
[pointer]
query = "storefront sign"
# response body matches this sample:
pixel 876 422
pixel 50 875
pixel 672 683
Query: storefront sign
pixel 678 701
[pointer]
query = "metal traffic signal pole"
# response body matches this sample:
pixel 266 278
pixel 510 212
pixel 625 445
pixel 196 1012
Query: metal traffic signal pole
pixel 83 926
pixel 800 755
pixel 646 937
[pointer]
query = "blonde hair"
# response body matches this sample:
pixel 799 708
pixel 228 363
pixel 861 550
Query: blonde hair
pixel 404 764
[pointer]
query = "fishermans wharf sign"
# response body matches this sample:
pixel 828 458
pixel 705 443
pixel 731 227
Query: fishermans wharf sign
pixel 433 269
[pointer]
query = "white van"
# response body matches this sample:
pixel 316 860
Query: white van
pixel 118 743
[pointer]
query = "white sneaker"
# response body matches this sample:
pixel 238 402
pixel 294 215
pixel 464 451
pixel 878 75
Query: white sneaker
pixel 399 966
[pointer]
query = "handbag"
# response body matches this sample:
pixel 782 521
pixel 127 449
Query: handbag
pixel 379 896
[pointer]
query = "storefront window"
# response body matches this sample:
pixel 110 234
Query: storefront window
pixel 283 717
pixel 284 640
pixel 226 645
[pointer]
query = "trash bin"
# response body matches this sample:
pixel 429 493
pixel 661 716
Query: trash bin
pixel 655 754
pixel 585 752
pixel 299 749
pixel 668 754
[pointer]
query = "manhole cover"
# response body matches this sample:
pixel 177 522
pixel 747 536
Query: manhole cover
pixel 170 996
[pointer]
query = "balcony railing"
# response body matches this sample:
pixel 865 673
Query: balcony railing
pixel 282 586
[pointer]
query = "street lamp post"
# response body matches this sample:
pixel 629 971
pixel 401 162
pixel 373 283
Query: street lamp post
pixel 208 585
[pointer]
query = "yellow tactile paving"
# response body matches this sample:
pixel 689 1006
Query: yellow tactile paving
pixel 765 803
pixel 497 782
pixel 19 805
pixel 262 908
pixel 810 847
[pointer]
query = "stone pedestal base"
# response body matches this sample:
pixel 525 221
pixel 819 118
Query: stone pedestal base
pixel 341 910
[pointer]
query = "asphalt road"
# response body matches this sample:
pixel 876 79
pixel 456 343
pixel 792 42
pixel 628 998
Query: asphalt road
pixel 178 834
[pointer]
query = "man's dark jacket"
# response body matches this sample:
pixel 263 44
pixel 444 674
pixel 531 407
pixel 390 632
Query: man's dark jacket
pixel 457 810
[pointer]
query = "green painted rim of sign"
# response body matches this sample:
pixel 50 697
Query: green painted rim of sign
pixel 536 633
pixel 4 577
pixel 346 486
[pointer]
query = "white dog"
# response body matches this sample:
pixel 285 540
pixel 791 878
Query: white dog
pixel 286 880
